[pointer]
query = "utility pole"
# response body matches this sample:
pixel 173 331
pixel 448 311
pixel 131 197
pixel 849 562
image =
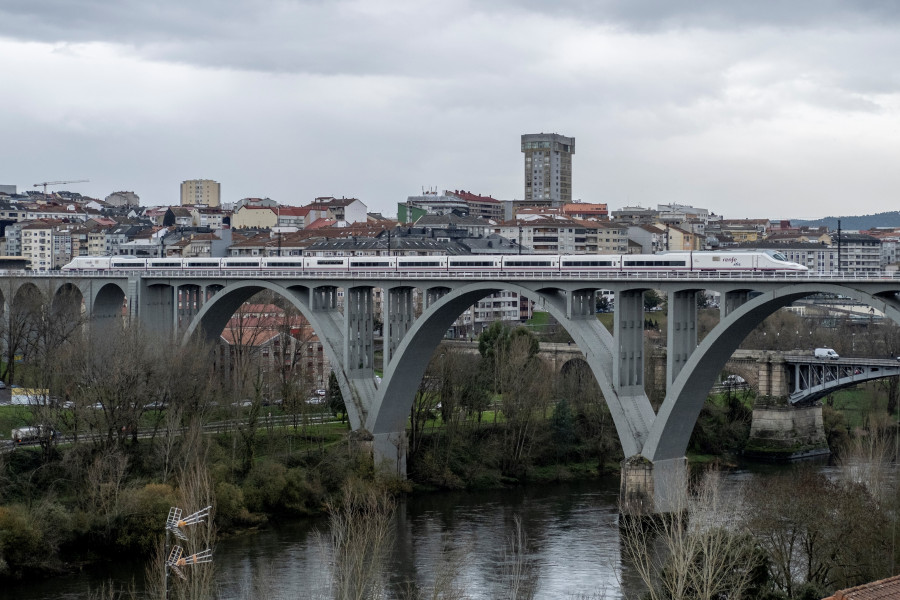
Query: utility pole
pixel 839 247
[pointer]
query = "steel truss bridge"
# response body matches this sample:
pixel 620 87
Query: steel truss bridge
pixel 813 378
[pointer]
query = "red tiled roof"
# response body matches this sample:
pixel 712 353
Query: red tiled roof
pixel 320 223
pixel 294 211
pixel 464 195
pixel 877 590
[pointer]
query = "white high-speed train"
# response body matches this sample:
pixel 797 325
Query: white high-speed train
pixel 669 261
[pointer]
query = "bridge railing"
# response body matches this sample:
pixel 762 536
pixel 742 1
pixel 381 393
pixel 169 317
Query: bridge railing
pixel 468 275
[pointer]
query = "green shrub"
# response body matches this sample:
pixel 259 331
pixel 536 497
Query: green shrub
pixel 265 485
pixel 23 545
pixel 303 494
pixel 230 508
pixel 144 511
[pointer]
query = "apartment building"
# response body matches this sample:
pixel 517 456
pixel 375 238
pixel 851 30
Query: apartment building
pixel 205 192
pixel 548 166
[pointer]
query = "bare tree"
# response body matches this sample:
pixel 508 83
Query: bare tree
pixel 519 576
pixel 526 384
pixel 698 551
pixel 359 539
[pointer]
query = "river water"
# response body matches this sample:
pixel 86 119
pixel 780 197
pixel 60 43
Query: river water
pixel 570 530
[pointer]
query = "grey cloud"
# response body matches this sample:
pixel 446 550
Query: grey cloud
pixel 645 15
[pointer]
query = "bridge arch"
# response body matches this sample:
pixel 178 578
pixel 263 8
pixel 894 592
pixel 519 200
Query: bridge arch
pixel 407 366
pixel 67 302
pixel 573 365
pixel 213 317
pixel 108 303
pixel 678 414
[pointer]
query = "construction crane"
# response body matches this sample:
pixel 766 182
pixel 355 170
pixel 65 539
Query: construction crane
pixel 46 183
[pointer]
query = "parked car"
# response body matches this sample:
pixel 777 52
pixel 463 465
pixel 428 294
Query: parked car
pixel 2 386
pixel 320 392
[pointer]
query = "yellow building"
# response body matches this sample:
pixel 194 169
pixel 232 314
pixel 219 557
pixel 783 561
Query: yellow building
pixel 254 217
pixel 201 191
pixel 681 239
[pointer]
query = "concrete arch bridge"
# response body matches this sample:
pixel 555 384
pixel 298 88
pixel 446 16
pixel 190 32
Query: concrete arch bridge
pixel 419 307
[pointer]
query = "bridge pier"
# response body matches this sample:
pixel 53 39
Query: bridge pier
pixel 773 377
pixel 682 331
pixel 780 431
pixel 649 488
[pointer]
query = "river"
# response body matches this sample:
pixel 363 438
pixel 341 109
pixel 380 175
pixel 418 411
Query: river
pixel 570 529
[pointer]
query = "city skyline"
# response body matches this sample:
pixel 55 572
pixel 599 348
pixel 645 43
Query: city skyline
pixel 763 110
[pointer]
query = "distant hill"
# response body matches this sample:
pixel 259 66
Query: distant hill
pixel 885 219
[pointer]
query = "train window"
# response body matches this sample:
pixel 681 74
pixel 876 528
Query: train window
pixel 587 263
pixel 242 263
pixel 471 263
pixel 201 264
pixel 364 263
pixel 126 265
pixel 529 263
pixel 174 265
pixel 418 264
pixel 329 262
pixel 655 263
pixel 286 264
pixel 779 256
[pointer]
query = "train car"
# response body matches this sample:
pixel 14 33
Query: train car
pixel 282 263
pixel 127 263
pixel 167 264
pixel 372 263
pixel 312 264
pixel 203 263
pixel 669 261
pixel 421 263
pixel 241 263
pixel 474 264
pixel 531 262
pixel 590 262
pixel 743 261
pixel 87 263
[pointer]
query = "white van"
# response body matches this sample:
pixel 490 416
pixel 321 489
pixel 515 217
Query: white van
pixel 826 353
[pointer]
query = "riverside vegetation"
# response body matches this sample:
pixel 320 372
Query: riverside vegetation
pixel 148 425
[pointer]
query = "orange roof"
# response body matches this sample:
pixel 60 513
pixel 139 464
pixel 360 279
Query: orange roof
pixel 877 590
pixel 320 223
pixel 294 211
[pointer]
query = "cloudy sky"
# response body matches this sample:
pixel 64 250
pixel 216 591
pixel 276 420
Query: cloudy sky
pixel 757 109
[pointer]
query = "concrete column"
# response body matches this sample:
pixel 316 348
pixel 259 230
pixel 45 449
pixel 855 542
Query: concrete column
pixel 581 304
pixel 132 297
pixel 359 339
pixel 730 301
pixel 682 335
pixel 649 488
pixel 434 294
pixel 773 376
pixel 188 303
pixel 156 309
pixel 176 309
pixel 628 329
pixel 323 298
pixel 389 452
pixel 398 318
